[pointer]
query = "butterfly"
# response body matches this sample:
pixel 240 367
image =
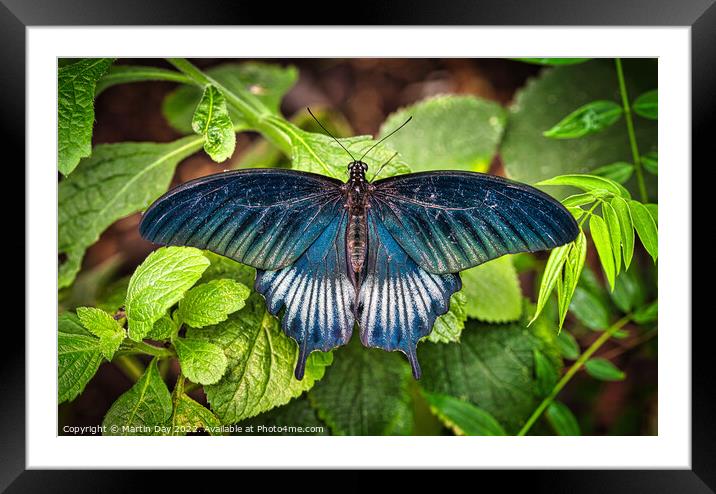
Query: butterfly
pixel 384 254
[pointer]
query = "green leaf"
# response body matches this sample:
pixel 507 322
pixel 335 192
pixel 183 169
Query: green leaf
pixel 572 271
pixel 293 419
pixel 211 120
pixel 615 233
pixel 448 132
pixel 585 120
pixel 492 367
pixel 201 361
pixel 552 273
pixel 163 329
pixel 579 199
pixel 654 212
pixel 492 291
pixel 589 309
pixel 647 105
pixel 448 327
pixel 620 171
pixel 589 183
pixel 212 302
pixel 602 241
pixel 562 420
pixel 190 416
pixel 78 357
pixel 629 293
pixel 545 373
pixel 530 157
pixel 464 418
pixel 75 110
pixel 603 370
pixel 553 61
pixel 626 227
pixel 647 314
pixel 645 227
pixel 118 180
pixel 568 346
pixel 104 327
pixel 160 282
pixel 144 410
pixel 261 361
pixel 224 268
pixel 266 82
pixel 651 162
pixel 123 74
pixel 365 392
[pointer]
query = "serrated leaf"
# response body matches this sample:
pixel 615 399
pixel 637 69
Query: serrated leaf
pixel 447 132
pixel 647 314
pixel 261 361
pixel 212 302
pixel 75 110
pixel 545 373
pixel 562 420
pixel 201 361
pixel 144 410
pixel 590 183
pixel 647 105
pixel 626 226
pixel 646 228
pixel 603 370
pixel 588 119
pixel 190 416
pixel 266 82
pixel 464 418
pixel 293 419
pixel 448 327
pixel 123 74
pixel 492 291
pixel 78 357
pixel 600 236
pixel 550 276
pixel 615 233
pixel 572 271
pixel 365 392
pixel 163 329
pixel 118 180
pixel 160 282
pixel 620 171
pixel 651 162
pixel 211 120
pixel 104 327
pixel 529 157
pixel 553 61
pixel 568 346
pixel 492 367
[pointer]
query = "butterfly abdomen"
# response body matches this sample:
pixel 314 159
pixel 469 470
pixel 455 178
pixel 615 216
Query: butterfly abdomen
pixel 357 240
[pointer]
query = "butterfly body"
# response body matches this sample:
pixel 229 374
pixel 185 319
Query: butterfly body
pixel 382 255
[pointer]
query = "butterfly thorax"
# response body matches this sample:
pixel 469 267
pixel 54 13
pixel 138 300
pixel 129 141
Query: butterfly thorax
pixel 357 191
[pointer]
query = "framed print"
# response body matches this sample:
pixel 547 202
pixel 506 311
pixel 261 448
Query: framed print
pixel 316 247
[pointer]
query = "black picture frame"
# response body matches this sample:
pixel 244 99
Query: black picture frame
pixel 700 15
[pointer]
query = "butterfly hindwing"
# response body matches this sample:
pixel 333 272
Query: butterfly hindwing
pixel 451 221
pixel 316 293
pixel 263 218
pixel 399 301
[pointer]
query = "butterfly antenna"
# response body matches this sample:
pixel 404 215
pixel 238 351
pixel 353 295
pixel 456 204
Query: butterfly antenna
pixel 331 135
pixel 384 138
pixel 383 166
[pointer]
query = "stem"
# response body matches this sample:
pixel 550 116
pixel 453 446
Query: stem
pixel 630 129
pixel 256 114
pixel 146 348
pixel 131 367
pixel 583 218
pixel 571 372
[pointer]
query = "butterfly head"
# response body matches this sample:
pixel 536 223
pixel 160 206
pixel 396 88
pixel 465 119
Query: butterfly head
pixel 357 170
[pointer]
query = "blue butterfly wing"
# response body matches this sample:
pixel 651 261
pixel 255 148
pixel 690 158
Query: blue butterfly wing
pixel 265 218
pixel 315 293
pixel 451 221
pixel 399 301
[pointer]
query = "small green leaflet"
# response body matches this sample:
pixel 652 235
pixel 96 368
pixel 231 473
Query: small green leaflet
pixel 620 172
pixel 550 277
pixel 589 308
pixel 75 110
pixel 647 314
pixel 615 235
pixel 144 410
pixel 464 418
pixel 647 105
pixel 585 120
pixel 104 327
pixel 78 357
pixel 568 346
pixel 579 199
pixel 572 269
pixel 629 291
pixel 123 74
pixel 212 302
pixel 621 208
pixel 448 327
pixel 603 370
pixel 651 162
pixel 201 361
pixel 600 235
pixel 492 291
pixel 645 227
pixel 562 420
pixel 211 119
pixel 589 183
pixel 160 282
pixel 545 373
